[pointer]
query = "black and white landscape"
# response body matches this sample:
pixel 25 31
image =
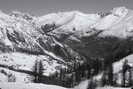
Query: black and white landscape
pixel 66 50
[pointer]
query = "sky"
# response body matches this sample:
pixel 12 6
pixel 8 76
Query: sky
pixel 41 7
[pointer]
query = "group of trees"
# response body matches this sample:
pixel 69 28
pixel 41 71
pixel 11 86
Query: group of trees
pixel 127 78
pixel 72 76
pixel 126 74
pixel 38 71
pixel 69 77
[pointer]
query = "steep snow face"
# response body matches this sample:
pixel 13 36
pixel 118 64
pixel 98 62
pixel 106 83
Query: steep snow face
pixel 118 24
pixel 106 22
pixel 10 24
pixel 117 14
pixel 120 11
pixel 80 24
pixel 81 21
pixel 56 18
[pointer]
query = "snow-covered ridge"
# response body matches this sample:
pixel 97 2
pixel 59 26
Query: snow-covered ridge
pixel 117 20
pixel 63 18
pixel 83 22
pixel 117 14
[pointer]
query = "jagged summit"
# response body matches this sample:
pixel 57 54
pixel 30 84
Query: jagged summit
pixel 119 11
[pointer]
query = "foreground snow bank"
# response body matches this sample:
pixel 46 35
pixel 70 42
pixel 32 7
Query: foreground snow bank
pixel 16 85
pixel 28 86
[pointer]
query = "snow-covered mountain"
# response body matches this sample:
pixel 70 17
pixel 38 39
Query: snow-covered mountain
pixel 62 41
pixel 118 18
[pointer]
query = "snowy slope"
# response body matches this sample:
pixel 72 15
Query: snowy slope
pixel 118 21
pixel 63 18
pixel 118 24
pixel 22 62
pixel 117 14
pixel 82 85
pixel 28 86
pixel 67 21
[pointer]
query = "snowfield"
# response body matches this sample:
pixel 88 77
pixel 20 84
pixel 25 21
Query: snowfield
pixel 28 86
pixel 82 85
pixel 109 87
pixel 25 62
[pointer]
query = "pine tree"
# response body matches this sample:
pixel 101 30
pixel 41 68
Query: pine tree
pixel 110 75
pixel 124 69
pixel 104 79
pixel 130 78
pixel 38 70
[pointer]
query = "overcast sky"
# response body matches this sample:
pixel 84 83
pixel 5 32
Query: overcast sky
pixel 41 7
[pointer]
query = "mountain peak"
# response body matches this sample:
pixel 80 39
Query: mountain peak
pixel 120 11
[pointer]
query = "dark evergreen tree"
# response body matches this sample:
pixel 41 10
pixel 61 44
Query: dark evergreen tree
pixel 38 71
pixel 124 69
pixel 92 84
pixel 104 79
pixel 130 78
pixel 110 74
